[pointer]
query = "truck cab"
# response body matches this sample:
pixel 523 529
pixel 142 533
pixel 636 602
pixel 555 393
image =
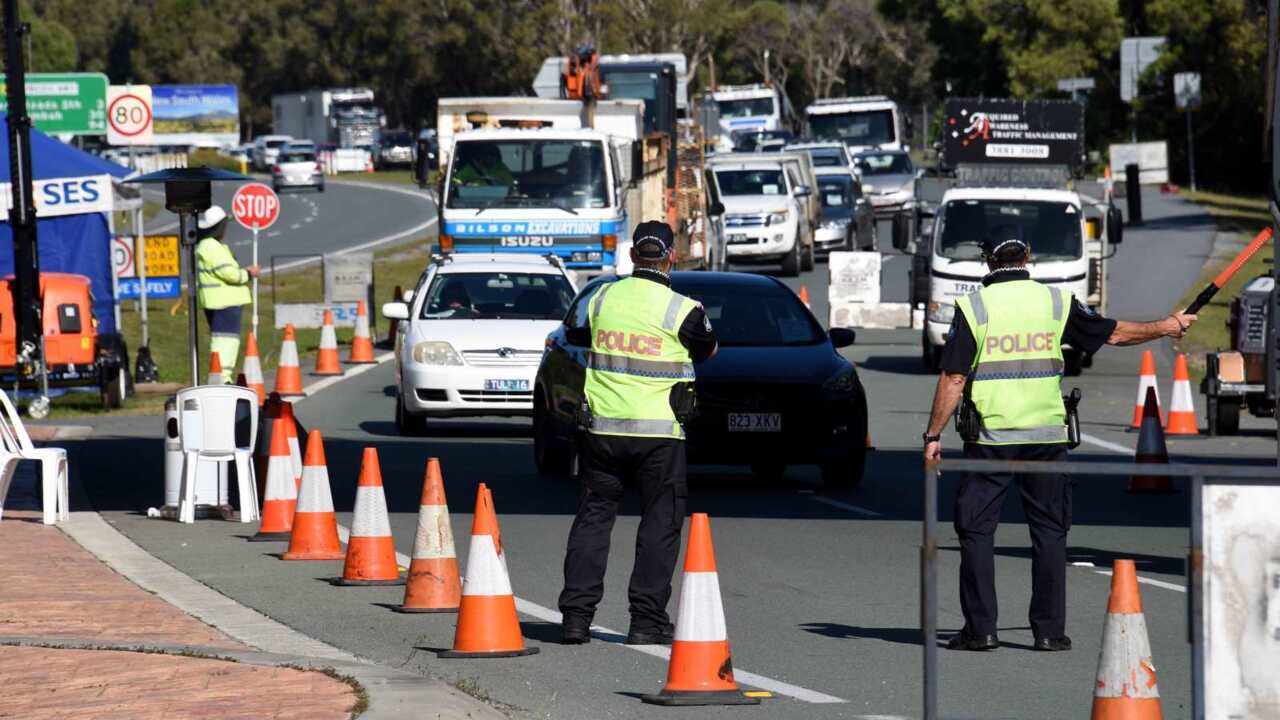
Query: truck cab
pixel 871 122
pixel 746 107
pixel 539 190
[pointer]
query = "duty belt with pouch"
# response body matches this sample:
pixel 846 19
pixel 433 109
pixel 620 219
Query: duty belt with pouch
pixel 684 402
pixel 968 421
pixel 1072 403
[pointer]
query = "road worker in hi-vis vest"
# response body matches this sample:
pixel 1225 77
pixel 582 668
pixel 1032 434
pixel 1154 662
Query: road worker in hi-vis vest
pixel 1004 359
pixel 223 288
pixel 645 340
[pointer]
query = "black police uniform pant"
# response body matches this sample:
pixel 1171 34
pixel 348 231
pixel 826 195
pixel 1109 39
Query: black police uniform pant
pixel 609 465
pixel 1046 502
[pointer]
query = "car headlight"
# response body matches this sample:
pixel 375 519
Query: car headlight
pixel 868 188
pixel 941 312
pixel 842 384
pixel 835 224
pixel 777 218
pixel 436 353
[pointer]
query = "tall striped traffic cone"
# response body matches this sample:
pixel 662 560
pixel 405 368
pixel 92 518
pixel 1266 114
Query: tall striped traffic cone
pixel 215 370
pixel 701 669
pixel 290 427
pixel 315 527
pixel 1146 381
pixel 433 584
pixel 1151 450
pixel 361 343
pixel 1125 688
pixel 487 622
pixel 393 326
pixel 327 362
pixel 288 374
pixel 371 551
pixel 1182 409
pixel 253 369
pixel 804 296
pixel 281 496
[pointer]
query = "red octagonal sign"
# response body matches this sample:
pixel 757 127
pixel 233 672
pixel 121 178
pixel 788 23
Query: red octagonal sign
pixel 255 206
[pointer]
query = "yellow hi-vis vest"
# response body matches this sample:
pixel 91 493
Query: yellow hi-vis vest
pixel 221 283
pixel 1017 371
pixel 636 358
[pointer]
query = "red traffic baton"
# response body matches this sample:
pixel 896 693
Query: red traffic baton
pixel 1223 277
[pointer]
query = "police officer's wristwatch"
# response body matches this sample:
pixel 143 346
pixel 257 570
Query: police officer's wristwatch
pixel 931 438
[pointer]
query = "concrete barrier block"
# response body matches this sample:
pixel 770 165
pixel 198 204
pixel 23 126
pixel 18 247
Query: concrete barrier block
pixel 854 277
pixel 876 315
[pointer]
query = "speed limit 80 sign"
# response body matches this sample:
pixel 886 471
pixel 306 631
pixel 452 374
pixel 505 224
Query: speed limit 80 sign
pixel 129 117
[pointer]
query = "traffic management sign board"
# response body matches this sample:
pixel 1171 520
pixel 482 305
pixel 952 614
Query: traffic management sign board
pixel 255 206
pixel 129 117
pixel 74 103
pixel 162 258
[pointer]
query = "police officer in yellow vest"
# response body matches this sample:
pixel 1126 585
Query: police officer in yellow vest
pixel 644 341
pixel 1005 344
pixel 223 288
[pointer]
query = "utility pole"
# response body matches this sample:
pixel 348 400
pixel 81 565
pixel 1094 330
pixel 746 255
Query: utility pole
pixel 22 214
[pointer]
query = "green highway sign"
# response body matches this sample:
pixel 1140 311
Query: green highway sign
pixel 74 103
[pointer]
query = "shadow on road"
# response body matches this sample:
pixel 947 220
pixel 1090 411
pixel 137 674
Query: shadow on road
pixel 901 364
pixel 1161 564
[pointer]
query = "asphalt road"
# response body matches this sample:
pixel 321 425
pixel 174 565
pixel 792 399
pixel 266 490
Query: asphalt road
pixel 820 592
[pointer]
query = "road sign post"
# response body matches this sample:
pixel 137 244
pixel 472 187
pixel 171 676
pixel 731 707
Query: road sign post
pixel 255 206
pixel 1186 95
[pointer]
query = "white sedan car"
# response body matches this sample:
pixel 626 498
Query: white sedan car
pixel 472 333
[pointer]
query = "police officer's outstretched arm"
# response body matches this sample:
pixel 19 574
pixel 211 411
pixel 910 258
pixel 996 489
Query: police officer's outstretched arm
pixel 1128 332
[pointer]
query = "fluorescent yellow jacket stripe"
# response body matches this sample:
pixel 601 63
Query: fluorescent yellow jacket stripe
pixel 636 358
pixel 221 282
pixel 1017 371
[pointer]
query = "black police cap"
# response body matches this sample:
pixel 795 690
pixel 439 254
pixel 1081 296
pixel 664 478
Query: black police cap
pixel 653 239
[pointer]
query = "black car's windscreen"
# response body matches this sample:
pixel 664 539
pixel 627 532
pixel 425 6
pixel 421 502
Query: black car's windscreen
pixel 493 295
pixel 836 194
pixel 758 316
pixel 1052 228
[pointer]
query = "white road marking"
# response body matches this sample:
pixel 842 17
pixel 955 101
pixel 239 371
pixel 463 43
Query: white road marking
pixel 356 248
pixel 845 506
pixel 1105 444
pixel 1154 583
pixel 745 677
pixel 295 226
pixel 351 372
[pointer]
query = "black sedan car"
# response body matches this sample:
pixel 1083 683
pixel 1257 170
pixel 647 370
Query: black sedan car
pixel 777 393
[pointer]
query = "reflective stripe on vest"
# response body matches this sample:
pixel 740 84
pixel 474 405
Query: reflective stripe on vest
pixel 623 426
pixel 642 368
pixel 1016 380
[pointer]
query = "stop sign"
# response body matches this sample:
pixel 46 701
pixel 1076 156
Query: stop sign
pixel 255 206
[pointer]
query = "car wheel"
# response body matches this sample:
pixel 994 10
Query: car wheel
pixel 791 263
pixel 408 424
pixel 550 455
pixel 770 471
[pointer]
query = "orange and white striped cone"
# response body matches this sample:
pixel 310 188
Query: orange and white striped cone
pixel 1146 380
pixel 804 296
pixel 371 551
pixel 1151 450
pixel 288 373
pixel 327 362
pixel 433 584
pixel 281 496
pixel 290 427
pixel 1182 409
pixel 315 527
pixel 701 668
pixel 487 622
pixel 215 370
pixel 1125 688
pixel 253 369
pixel 361 343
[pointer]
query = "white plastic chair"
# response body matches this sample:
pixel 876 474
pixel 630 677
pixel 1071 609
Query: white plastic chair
pixel 53 464
pixel 218 423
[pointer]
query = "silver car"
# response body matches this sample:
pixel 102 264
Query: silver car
pixel 297 167
pixel 888 179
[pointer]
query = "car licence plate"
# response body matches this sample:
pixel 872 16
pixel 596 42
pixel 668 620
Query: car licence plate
pixel 755 422
pixel 507 385
pixel 737 238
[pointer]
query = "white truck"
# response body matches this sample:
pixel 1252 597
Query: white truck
pixel 1013 162
pixel 862 123
pixel 746 107
pixel 340 117
pixel 524 175
pixel 768 203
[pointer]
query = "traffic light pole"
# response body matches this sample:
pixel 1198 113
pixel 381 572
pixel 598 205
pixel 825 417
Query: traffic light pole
pixel 22 213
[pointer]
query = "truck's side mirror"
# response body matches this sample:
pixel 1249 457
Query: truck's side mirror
pixel 802 191
pixel 1115 226
pixel 716 209
pixel 901 231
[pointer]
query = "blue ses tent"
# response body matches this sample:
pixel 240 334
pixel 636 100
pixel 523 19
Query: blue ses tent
pixel 73 194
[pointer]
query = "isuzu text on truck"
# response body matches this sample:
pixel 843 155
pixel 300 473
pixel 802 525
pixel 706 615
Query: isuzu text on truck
pixel 1014 163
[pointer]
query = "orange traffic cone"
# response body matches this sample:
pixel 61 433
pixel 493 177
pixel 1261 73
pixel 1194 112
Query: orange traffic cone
pixel 393 326
pixel 291 436
pixel 253 369
pixel 315 527
pixel 361 343
pixel 1182 409
pixel 1126 683
pixel 215 370
pixel 1151 449
pixel 701 669
pixel 1146 379
pixel 288 374
pixel 433 584
pixel 487 622
pixel 371 551
pixel 281 497
pixel 327 362
pixel 804 296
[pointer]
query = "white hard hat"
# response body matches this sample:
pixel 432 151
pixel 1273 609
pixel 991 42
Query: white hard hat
pixel 210 218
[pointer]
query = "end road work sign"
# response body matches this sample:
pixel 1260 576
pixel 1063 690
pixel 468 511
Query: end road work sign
pixel 74 103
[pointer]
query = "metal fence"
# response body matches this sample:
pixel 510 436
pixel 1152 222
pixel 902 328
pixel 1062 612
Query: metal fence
pixel 1200 475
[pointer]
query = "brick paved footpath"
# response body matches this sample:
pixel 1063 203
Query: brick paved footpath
pixel 52 590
